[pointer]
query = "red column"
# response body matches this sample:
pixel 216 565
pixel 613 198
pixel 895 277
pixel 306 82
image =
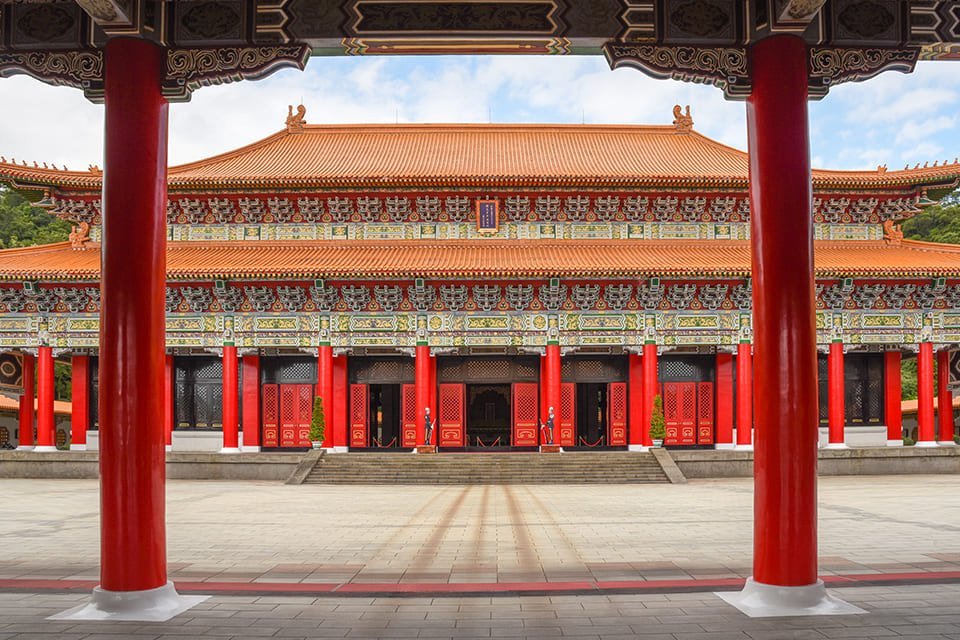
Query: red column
pixel 45 393
pixel 341 392
pixel 325 389
pixel 251 402
pixel 26 403
pixel 168 402
pixel 635 394
pixel 80 402
pixel 133 259
pixel 944 399
pixel 724 400
pixel 552 368
pixel 892 397
pixel 231 424
pixel 651 388
pixel 837 417
pixel 744 396
pixel 432 391
pixel 421 388
pixel 785 370
pixel 925 436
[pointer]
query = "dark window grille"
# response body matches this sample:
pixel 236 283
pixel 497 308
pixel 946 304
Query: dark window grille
pixel 863 388
pixel 390 370
pixel 289 370
pixel 686 368
pixel 198 392
pixel 93 393
pixel 488 369
pixel 594 369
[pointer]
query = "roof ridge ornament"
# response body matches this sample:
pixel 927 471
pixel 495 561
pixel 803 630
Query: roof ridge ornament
pixel 295 121
pixel 682 122
pixel 892 232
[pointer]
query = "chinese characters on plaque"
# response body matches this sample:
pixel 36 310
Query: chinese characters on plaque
pixel 488 216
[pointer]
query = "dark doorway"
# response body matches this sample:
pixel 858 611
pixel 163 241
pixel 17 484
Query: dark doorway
pixel 384 416
pixel 591 415
pixel 488 416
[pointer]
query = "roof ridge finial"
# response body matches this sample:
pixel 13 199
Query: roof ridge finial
pixel 295 121
pixel 682 121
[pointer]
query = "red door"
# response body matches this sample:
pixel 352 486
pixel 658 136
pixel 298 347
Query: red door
pixel 451 415
pixel 408 415
pixel 526 414
pixel 359 419
pixel 705 413
pixel 305 414
pixel 567 420
pixel 617 414
pixel 271 416
pixel 680 412
pixel 296 409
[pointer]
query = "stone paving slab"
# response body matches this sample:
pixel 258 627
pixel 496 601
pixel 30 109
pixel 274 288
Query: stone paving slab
pixel 919 611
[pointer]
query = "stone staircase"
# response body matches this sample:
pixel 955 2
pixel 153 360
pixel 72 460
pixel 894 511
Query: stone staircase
pixel 608 467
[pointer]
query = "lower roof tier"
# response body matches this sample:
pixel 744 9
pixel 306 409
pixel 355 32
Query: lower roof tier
pixel 481 259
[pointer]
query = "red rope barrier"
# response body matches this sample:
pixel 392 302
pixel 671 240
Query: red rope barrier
pixel 584 442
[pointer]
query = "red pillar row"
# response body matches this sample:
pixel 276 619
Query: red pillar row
pixel 944 399
pixel 785 367
pixel 26 403
pixel 892 397
pixel 45 395
pixel 635 394
pixel 432 393
pixel 230 397
pixel 651 389
pixel 133 254
pixel 325 389
pixel 552 366
pixel 251 402
pixel 836 414
pixel 421 386
pixel 341 390
pixel 744 395
pixel 724 392
pixel 925 435
pixel 80 401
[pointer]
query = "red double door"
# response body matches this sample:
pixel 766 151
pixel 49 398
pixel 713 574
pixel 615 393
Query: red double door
pixel 525 414
pixel 287 410
pixel 616 415
pixel 360 417
pixel 688 413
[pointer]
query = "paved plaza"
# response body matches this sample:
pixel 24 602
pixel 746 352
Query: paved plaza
pixel 262 536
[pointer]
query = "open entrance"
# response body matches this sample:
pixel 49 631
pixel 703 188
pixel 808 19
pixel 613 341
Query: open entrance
pixel 382 403
pixel 593 402
pixel 488 416
pixel 591 414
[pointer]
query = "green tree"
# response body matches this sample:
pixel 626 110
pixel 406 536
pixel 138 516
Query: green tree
pixel 23 225
pixel 939 223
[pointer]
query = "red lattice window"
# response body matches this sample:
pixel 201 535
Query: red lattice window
pixel 617 408
pixel 526 409
pixel 688 411
pixel 451 415
pixel 671 412
pixel 705 413
pixel 568 415
pixel 408 415
pixel 271 418
pixel 358 415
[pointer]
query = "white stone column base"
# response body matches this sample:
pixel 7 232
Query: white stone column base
pixel 230 450
pixel 151 605
pixel 78 447
pixel 926 443
pixel 45 448
pixel 726 445
pixel 637 447
pixel 946 443
pixel 894 443
pixel 250 448
pixel 836 445
pixel 338 449
pixel 168 447
pixel 743 447
pixel 769 601
pixel 25 447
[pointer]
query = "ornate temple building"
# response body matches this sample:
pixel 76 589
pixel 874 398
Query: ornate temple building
pixel 489 273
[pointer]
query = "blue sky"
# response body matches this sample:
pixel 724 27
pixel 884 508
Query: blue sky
pixel 894 119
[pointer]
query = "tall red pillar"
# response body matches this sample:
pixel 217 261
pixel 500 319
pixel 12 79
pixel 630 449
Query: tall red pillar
pixel 45 393
pixel 133 262
pixel 744 396
pixel 635 394
pixel 551 366
pixel 432 393
pixel 341 399
pixel 421 389
pixel 944 399
pixel 925 435
pixel 724 392
pixel 26 404
pixel 325 390
pixel 80 402
pixel 892 397
pixel 785 359
pixel 251 402
pixel 651 389
pixel 168 402
pixel 836 413
pixel 231 397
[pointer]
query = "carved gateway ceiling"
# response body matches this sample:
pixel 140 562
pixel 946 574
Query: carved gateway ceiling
pixel 215 41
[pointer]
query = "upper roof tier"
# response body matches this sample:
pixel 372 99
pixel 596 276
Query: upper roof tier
pixel 382 156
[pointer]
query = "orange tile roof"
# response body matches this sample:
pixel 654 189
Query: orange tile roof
pixel 12 404
pixel 478 154
pixel 482 258
pixel 909 407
